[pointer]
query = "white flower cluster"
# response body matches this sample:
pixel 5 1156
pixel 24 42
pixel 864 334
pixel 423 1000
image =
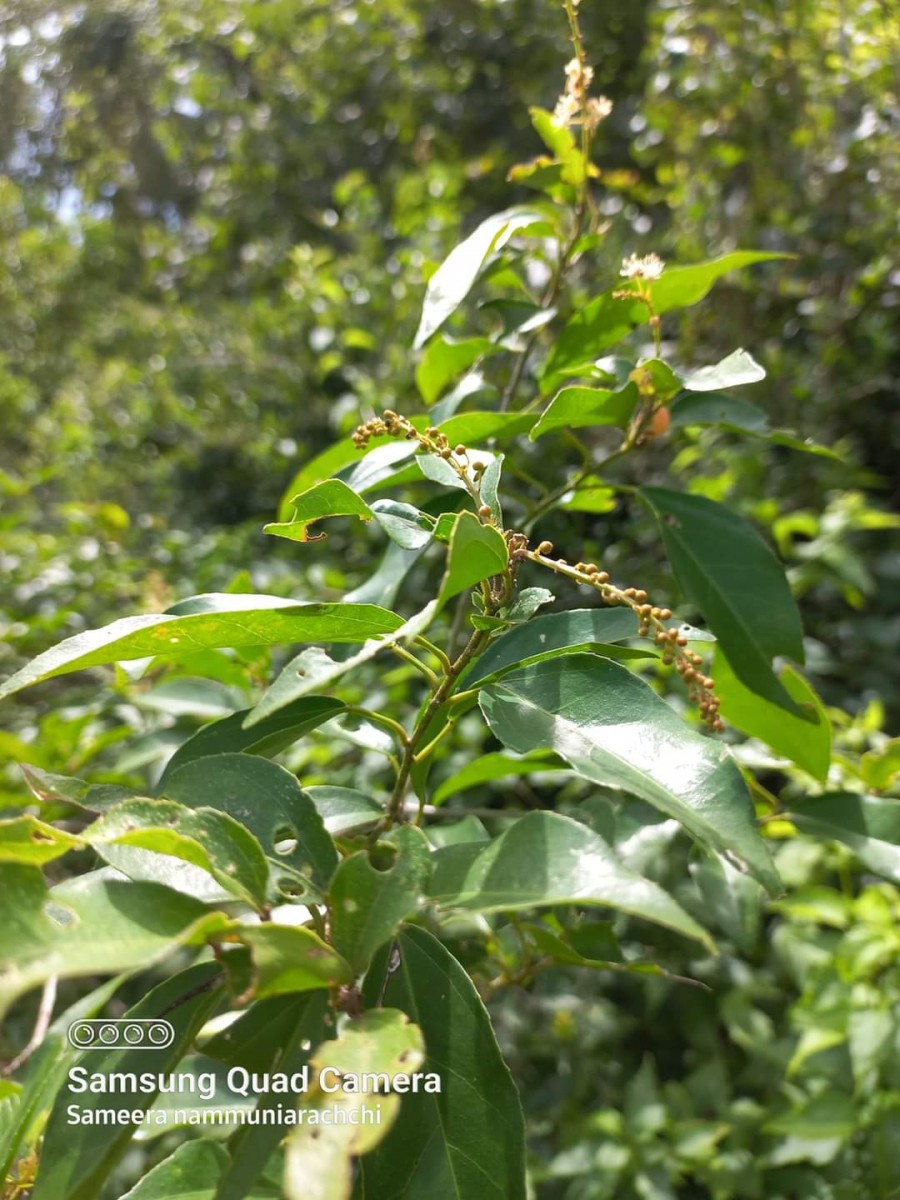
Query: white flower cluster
pixel 649 267
pixel 575 104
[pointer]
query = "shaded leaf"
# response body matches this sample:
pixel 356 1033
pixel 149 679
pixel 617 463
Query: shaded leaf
pixel 546 859
pixel 868 825
pixel 729 572
pixel 344 809
pixel 76 1159
pixel 552 634
pixel 268 736
pixel 489 767
pixel 468 1140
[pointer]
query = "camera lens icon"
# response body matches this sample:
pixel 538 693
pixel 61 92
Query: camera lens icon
pixel 126 1033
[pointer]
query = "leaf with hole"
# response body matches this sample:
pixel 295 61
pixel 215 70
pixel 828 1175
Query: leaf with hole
pixel 319 1159
pixel 332 498
pixel 269 802
pixel 372 893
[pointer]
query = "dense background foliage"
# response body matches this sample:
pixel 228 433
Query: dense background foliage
pixel 215 225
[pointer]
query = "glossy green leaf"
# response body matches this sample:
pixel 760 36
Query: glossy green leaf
pixel 319 1158
pixel 729 572
pixel 868 825
pixel 805 742
pixel 404 524
pixel 204 837
pixel 369 899
pixel 344 809
pixel 76 1159
pixel 553 634
pixel 476 552
pixel 444 359
pixel 611 727
pixel 451 282
pixel 290 958
pixel 266 799
pixel 314 670
pixel 468 1140
pixel 28 840
pixel 737 369
pixel 546 859
pixel 488 767
pixel 580 407
pixel 332 498
pixel 268 736
pixel 247 621
pixel 607 320
pixel 92 925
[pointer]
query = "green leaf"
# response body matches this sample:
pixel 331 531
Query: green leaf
pixel 737 369
pixel 579 407
pixel 28 840
pixel 319 1158
pixel 76 1159
pixel 489 767
pixel 369 901
pixel 191 1173
pixel 451 282
pixel 268 736
pixel 805 742
pixel 204 837
pixel 560 141
pixel 612 728
pixel 92 925
pixel 546 859
pixel 236 620
pixel 344 809
pixel 476 552
pixel 269 1036
pixel 314 670
pixel 468 1140
pixel 868 825
pixel 731 413
pixel 728 571
pixel 553 634
pixel 404 524
pixel 607 320
pixel 289 958
pixel 329 499
pixel 444 359
pixel 269 801
pixel 44 1075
